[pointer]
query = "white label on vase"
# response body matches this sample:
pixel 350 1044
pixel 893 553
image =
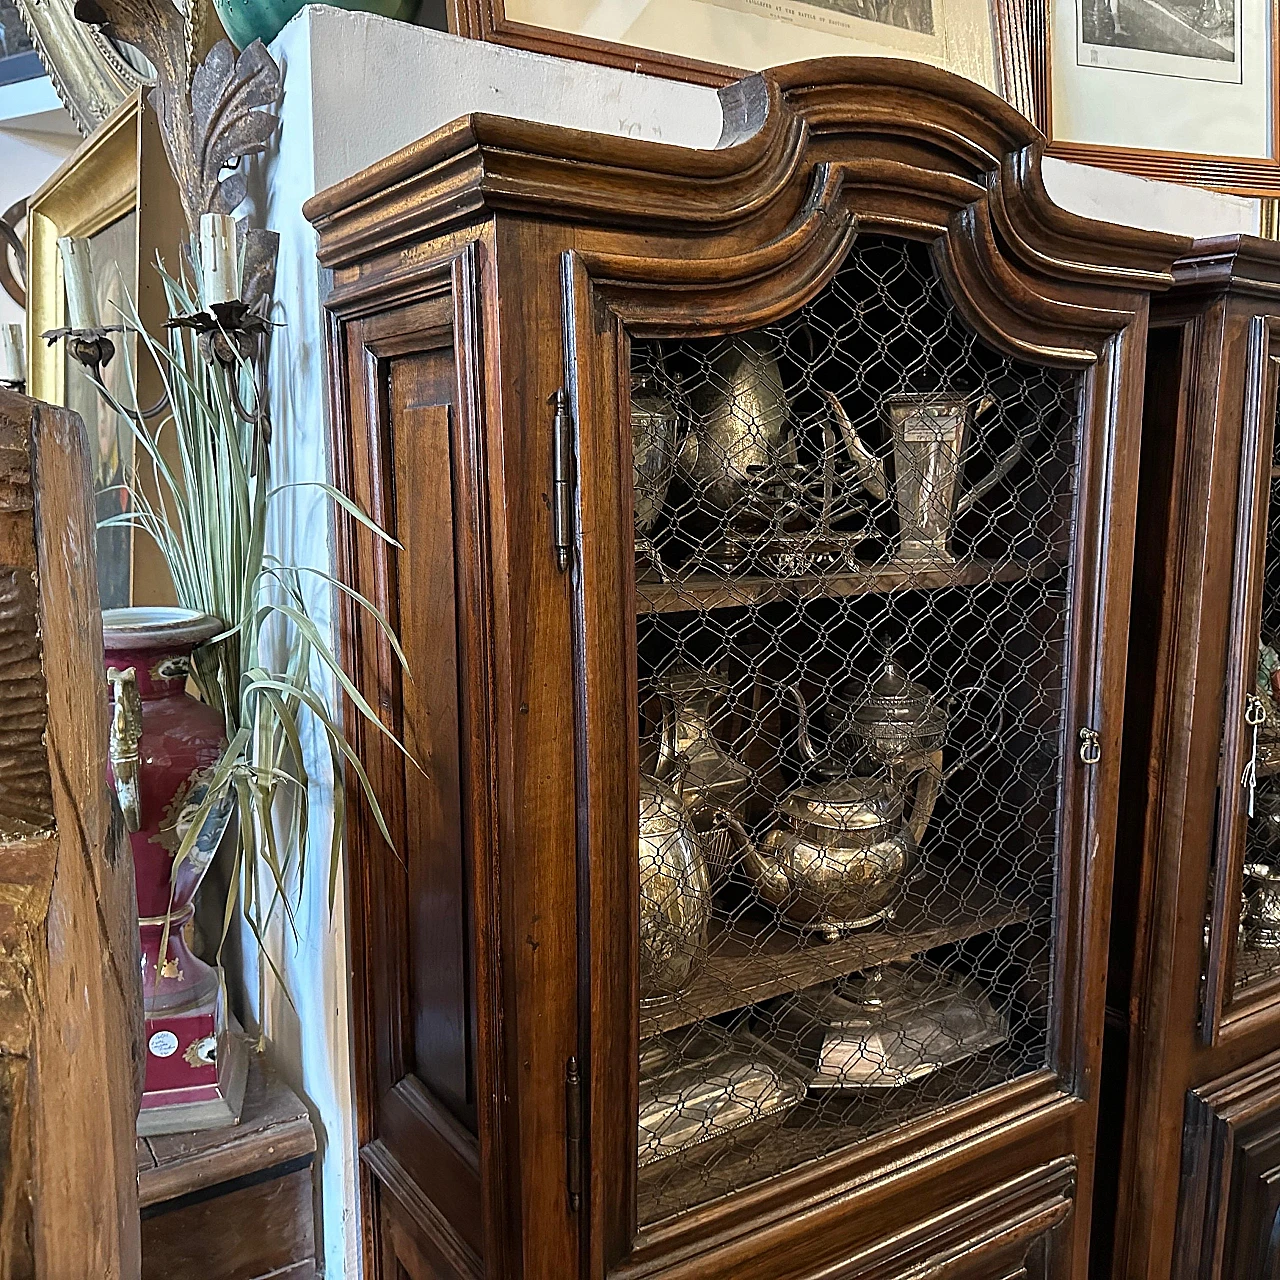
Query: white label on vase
pixel 163 1044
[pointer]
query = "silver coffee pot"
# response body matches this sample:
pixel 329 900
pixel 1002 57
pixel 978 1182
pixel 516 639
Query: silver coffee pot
pixel 930 438
pixel 675 894
pixel 837 857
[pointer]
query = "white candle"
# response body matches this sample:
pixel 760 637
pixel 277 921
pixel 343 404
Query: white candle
pixel 219 265
pixel 77 272
pixel 13 366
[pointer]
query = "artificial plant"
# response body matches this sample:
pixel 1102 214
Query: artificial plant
pixel 209 510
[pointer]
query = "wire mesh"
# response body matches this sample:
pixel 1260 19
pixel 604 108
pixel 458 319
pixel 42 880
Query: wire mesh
pixel 1258 953
pixel 853 533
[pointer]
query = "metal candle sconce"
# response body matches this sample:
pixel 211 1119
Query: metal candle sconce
pixel 229 330
pixel 13 365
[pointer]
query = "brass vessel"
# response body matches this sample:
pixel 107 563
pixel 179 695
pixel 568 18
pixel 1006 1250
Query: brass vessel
pixel 675 894
pixel 837 857
pixel 710 780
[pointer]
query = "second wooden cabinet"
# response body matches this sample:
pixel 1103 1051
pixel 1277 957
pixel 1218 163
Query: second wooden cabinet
pixel 766 520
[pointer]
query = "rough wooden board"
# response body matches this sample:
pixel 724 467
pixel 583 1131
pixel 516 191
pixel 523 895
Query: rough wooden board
pixel 274 1127
pixel 70 996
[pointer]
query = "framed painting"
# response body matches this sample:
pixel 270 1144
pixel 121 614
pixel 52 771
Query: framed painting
pixel 717 41
pixel 94 195
pixel 1184 90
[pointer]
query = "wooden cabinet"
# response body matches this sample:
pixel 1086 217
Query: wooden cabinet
pixel 1193 1023
pixel 765 522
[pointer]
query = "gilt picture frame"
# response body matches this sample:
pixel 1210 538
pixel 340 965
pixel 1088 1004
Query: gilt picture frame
pixel 718 41
pixel 90 74
pixel 1180 90
pixel 117 192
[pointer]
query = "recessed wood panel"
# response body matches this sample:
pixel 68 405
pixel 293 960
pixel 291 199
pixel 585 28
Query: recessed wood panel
pixel 421 419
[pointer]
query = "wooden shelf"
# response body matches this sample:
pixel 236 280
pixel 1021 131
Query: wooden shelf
pixel 702 591
pixel 754 957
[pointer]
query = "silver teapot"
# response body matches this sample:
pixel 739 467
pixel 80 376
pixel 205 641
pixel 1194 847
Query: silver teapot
pixel 675 894
pixel 837 858
pixel 710 780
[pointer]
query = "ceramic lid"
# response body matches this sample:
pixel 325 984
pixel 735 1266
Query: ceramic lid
pixel 156 627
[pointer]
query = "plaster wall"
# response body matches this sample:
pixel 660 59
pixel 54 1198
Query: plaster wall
pixel 36 136
pixel 358 87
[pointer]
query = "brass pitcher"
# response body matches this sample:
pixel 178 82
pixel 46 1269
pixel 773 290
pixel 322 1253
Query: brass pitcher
pixel 710 780
pixel 675 894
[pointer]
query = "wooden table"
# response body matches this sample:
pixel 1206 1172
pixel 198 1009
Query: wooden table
pixel 232 1203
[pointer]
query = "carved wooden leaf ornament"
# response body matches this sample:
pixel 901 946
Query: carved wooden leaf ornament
pixel 228 123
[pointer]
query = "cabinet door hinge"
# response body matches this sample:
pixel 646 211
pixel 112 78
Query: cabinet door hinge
pixel 573 1132
pixel 561 477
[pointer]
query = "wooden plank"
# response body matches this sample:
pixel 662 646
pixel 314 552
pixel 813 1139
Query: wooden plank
pixel 755 958
pixel 274 1128
pixel 70 996
pixel 258 1231
pixel 715 591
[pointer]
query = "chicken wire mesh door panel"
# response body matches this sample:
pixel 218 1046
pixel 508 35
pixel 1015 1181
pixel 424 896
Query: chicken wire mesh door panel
pixel 1257 798
pixel 853 546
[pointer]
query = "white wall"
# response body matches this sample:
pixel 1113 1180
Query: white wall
pixel 358 87
pixel 36 136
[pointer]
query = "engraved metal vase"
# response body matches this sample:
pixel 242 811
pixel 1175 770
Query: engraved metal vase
pixel 675 894
pixel 738 442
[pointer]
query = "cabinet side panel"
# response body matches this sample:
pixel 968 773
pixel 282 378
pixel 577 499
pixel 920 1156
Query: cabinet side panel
pixel 442 1006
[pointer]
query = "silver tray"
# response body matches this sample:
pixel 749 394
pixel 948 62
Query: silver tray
pixel 701 1083
pixel 888 1028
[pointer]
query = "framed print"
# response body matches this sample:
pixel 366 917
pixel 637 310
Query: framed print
pixel 717 41
pixel 95 195
pixel 1184 90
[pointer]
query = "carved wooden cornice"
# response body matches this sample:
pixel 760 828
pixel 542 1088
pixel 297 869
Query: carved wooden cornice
pixel 915 145
pixel 1242 264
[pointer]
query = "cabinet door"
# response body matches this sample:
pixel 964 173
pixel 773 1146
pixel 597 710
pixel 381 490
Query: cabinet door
pixel 1243 970
pixel 860 740
pixel 1229 1205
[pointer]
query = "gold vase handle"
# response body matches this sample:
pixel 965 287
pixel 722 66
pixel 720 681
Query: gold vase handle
pixel 126 734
